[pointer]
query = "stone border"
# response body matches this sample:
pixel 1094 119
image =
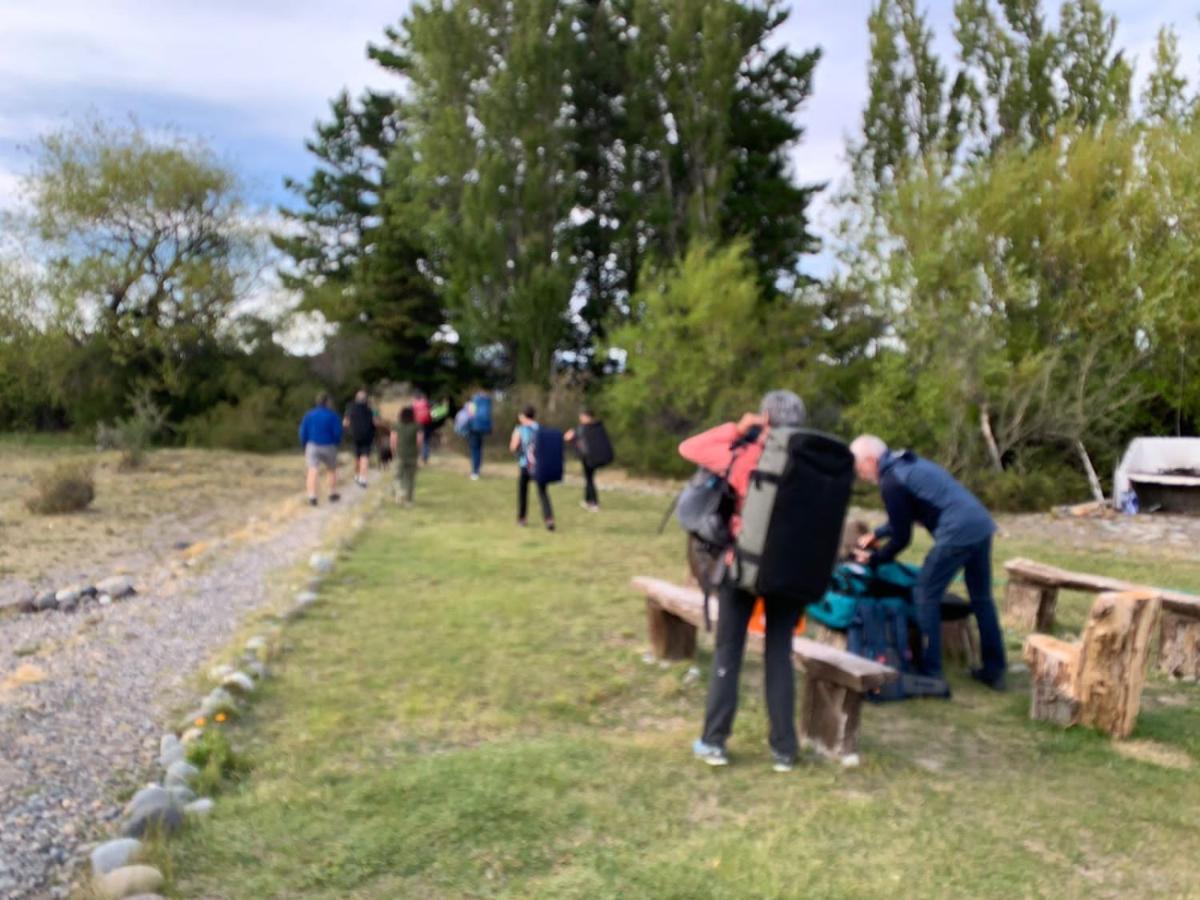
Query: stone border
pixel 162 809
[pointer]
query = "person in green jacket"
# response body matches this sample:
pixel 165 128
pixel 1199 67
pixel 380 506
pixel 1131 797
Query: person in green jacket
pixel 406 448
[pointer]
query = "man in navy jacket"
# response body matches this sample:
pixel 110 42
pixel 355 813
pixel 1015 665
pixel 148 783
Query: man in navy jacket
pixel 917 490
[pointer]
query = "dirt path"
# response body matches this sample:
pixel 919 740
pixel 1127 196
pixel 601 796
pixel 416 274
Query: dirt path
pixel 84 698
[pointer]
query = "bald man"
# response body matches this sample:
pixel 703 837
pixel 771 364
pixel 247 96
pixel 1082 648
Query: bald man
pixel 917 490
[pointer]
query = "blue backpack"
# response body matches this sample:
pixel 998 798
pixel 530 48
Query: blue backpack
pixel 880 631
pixel 546 464
pixel 481 422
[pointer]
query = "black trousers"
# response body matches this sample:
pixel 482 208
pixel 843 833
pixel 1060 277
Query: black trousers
pixel 589 486
pixel 735 609
pixel 523 497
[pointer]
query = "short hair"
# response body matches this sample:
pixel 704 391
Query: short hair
pixel 783 409
pixel 868 446
pixel 529 412
pixel 361 396
pixel 322 398
pixel 587 411
pixel 407 415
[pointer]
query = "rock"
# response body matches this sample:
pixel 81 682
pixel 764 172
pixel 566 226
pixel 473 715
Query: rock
pixel 105 600
pixel 48 600
pixel 307 598
pixel 170 750
pixel 257 669
pixel 321 562
pixel 217 674
pixel 218 699
pixel 181 793
pixel 117 587
pixel 127 881
pixel 115 854
pixel 70 594
pixel 146 897
pixel 201 807
pixel 70 604
pixel 152 808
pixel 256 643
pixel 181 773
pixel 23 601
pixel 238 682
pixel 192 720
pixel 190 736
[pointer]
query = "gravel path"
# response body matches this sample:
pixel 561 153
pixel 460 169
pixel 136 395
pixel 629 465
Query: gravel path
pixel 84 698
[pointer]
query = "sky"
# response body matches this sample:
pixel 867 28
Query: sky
pixel 252 76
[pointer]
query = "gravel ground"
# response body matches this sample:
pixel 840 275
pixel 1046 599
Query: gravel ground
pixel 85 697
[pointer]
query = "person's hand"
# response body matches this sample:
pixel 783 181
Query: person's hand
pixel 751 420
pixel 867 541
pixel 569 437
pixel 862 556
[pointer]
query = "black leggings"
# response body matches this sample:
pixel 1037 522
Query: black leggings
pixel 589 486
pixel 523 497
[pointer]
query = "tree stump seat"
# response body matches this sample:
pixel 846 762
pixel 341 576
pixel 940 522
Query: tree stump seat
pixel 1098 681
pixel 1032 595
pixel 834 680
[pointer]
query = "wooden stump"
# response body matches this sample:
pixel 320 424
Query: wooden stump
pixel 1029 606
pixel 1179 646
pixel 1113 658
pixel 960 643
pixel 1052 673
pixel 829 717
pixel 671 637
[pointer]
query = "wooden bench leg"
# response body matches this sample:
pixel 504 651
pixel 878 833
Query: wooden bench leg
pixel 671 637
pixel 829 716
pixel 960 643
pixel 1029 606
pixel 1179 646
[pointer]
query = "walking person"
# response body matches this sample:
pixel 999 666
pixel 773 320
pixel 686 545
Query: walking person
pixel 407 439
pixel 423 416
pixel 522 443
pixel 360 419
pixel 479 426
pixel 736 448
pixel 320 434
pixel 918 490
pixel 592 444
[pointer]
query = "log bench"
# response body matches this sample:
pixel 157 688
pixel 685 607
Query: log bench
pixel 834 680
pixel 1032 595
pixel 1098 681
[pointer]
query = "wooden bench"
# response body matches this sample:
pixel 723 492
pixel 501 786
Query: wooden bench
pixel 834 682
pixel 1098 681
pixel 1032 595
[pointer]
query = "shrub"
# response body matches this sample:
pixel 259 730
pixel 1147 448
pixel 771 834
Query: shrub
pixel 213 755
pixel 1036 490
pixel 68 487
pixel 265 419
pixel 134 434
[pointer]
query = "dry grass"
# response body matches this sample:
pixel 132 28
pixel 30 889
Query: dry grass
pixel 177 497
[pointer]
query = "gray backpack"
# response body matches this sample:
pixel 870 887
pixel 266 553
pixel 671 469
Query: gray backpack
pixel 793 515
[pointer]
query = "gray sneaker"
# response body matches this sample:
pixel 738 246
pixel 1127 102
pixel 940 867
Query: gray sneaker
pixel 710 753
pixel 783 763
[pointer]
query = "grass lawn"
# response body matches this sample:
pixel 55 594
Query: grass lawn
pixel 469 714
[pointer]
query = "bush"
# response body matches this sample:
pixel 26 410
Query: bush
pixel 264 420
pixel 213 755
pixel 134 434
pixel 68 487
pixel 1036 490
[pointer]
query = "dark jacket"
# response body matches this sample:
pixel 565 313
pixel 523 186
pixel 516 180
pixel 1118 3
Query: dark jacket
pixel 917 490
pixel 320 425
pixel 362 422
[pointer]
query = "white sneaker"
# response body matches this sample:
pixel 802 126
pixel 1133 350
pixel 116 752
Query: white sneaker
pixel 474 476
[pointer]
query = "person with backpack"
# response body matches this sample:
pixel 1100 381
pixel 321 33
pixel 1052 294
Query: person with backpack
pixel 320 434
pixel 360 419
pixel 423 417
pixel 918 490
pixel 523 444
pixel 592 444
pixel 406 447
pixel 478 425
pixel 736 448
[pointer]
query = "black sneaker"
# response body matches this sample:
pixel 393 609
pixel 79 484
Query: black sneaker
pixel 312 501
pixel 995 682
pixel 334 498
pixel 550 525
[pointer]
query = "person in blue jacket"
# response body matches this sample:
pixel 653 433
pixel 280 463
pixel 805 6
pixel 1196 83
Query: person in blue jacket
pixel 917 490
pixel 320 434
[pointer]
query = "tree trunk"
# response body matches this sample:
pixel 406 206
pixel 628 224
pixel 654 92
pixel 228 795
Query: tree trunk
pixel 1113 659
pixel 1029 606
pixel 1093 481
pixel 985 426
pixel 1052 670
pixel 1179 646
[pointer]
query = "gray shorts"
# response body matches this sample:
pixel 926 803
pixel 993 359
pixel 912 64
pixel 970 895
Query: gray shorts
pixel 317 455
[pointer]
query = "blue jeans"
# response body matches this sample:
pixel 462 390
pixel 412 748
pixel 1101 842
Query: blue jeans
pixel 427 435
pixel 941 565
pixel 475 441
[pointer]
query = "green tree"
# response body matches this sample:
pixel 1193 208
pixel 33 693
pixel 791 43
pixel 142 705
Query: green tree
pixel 1165 98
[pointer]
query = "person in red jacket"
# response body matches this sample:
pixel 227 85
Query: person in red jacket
pixel 715 449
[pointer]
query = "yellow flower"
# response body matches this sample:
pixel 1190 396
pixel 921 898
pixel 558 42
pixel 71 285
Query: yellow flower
pixel 200 723
pixel 220 717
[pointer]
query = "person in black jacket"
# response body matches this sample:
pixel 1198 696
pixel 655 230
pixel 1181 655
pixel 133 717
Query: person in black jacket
pixel 917 490
pixel 360 419
pixel 578 437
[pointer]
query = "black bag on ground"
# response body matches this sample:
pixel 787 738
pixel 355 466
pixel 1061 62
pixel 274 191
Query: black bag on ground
pixel 595 449
pixel 793 515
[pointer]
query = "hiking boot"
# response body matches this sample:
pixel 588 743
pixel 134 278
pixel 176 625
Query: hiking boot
pixel 709 754
pixel 995 682
pixel 549 524
pixel 312 501
pixel 334 498
pixel 361 482
pixel 782 762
